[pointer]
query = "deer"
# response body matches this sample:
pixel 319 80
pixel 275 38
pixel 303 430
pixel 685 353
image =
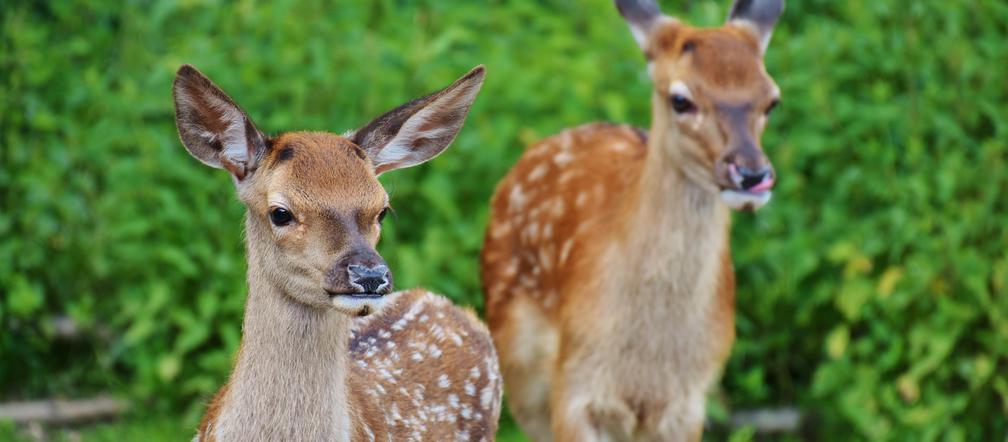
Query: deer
pixel 328 350
pixel 606 265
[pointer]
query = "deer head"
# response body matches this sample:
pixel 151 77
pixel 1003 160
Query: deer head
pixel 315 205
pixel 712 94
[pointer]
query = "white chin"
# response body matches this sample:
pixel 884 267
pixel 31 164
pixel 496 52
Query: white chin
pixel 361 306
pixel 745 200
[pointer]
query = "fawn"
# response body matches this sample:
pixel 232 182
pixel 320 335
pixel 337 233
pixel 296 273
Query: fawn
pixel 607 270
pixel 328 352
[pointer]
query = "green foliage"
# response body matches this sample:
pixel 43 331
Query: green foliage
pixel 871 291
pixel 149 429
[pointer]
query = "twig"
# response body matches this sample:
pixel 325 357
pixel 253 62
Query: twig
pixel 780 420
pixel 60 411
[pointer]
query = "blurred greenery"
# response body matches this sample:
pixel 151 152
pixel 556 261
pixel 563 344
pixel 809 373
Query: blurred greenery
pixel 147 429
pixel 871 291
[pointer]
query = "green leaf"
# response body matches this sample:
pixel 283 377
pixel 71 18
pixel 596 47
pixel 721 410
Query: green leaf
pixel 25 298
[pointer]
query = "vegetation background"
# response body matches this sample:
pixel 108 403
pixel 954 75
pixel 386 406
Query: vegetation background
pixel 872 290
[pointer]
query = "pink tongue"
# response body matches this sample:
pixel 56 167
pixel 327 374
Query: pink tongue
pixel 766 185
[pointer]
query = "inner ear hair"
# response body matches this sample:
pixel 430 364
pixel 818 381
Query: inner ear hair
pixel 641 16
pixel 420 129
pixel 213 128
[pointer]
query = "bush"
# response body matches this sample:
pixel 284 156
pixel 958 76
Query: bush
pixel 871 291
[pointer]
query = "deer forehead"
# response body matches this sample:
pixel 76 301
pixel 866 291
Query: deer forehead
pixel 724 63
pixel 324 170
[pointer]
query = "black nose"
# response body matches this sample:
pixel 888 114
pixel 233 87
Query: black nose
pixel 370 279
pixel 751 178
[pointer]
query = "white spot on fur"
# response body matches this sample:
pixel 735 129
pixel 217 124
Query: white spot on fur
pixel 517 199
pixel 567 176
pixel 512 268
pixel 443 381
pixel 557 208
pixel 486 396
pixel 563 158
pixel 500 230
pixel 532 231
pixel 565 250
pixel 435 351
pixel 546 257
pixel 538 172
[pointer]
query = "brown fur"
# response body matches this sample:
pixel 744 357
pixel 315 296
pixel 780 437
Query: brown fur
pixel 398 391
pixel 606 265
pixel 435 399
pixel 316 361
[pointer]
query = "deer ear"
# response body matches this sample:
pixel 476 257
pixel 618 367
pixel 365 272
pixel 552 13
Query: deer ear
pixel 421 129
pixel 213 128
pixel 760 16
pixel 641 15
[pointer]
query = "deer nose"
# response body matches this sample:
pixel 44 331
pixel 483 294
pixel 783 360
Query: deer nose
pixel 752 180
pixel 370 279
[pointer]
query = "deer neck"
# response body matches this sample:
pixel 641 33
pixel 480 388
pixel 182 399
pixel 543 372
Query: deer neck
pixel 289 379
pixel 676 228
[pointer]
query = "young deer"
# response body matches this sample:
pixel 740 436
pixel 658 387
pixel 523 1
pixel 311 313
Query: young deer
pixel 607 269
pixel 327 351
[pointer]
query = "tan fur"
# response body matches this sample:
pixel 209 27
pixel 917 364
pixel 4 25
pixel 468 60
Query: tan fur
pixel 607 268
pixel 316 363
pixel 397 389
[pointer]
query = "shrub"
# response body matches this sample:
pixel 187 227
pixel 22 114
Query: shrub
pixel 871 291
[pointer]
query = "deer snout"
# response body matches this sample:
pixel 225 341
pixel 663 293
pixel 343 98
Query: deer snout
pixel 361 272
pixel 746 178
pixel 751 180
pixel 376 279
pixel 747 169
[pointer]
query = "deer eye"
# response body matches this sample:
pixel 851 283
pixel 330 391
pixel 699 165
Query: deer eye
pixel 681 104
pixel 280 217
pixel 772 106
pixel 381 216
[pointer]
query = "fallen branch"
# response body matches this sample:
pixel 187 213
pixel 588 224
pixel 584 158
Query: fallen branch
pixel 60 411
pixel 780 420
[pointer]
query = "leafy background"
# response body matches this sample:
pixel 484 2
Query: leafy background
pixel 871 291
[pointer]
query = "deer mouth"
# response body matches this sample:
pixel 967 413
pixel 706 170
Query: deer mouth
pixel 744 189
pixel 359 304
pixel 745 199
pixel 355 295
